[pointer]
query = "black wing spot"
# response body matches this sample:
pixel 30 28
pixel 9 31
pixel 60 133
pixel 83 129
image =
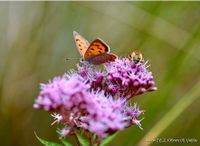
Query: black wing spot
pixel 77 40
pixel 100 52
pixel 91 48
pixel 97 45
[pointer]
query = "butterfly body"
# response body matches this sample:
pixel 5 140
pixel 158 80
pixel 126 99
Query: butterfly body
pixel 137 57
pixel 95 53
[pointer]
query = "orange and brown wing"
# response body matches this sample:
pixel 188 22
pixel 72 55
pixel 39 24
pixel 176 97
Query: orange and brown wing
pixel 81 43
pixel 102 58
pixel 97 47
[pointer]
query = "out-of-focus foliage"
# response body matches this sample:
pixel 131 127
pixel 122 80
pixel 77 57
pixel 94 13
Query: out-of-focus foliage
pixel 36 38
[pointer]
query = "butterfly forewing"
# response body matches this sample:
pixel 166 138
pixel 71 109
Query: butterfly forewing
pixel 81 43
pixel 97 47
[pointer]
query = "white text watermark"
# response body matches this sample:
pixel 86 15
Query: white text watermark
pixel 174 140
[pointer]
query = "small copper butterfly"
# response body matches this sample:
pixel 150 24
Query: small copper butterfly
pixel 136 57
pixel 96 53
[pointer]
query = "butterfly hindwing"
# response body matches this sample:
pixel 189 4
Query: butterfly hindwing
pixel 97 47
pixel 81 43
pixel 102 58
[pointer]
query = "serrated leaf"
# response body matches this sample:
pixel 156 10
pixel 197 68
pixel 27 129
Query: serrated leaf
pixel 108 140
pixel 46 143
pixel 66 143
pixel 82 140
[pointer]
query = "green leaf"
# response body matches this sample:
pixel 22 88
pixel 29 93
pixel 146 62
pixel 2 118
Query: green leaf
pixel 66 143
pixel 46 143
pixel 82 140
pixel 108 140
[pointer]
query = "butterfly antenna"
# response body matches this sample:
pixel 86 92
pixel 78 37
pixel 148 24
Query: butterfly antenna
pixel 72 59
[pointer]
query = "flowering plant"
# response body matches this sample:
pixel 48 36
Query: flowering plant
pixel 92 102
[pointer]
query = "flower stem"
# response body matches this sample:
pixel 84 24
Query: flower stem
pixel 76 139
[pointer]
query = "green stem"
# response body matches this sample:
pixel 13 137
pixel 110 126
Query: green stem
pixel 76 139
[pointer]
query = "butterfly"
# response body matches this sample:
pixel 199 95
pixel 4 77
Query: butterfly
pixel 96 53
pixel 136 57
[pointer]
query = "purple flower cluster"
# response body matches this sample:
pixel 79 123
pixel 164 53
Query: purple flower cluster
pixel 96 100
pixel 122 78
pixel 128 79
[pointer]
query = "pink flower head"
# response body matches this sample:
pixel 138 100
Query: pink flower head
pixel 127 78
pixel 96 100
pixel 60 91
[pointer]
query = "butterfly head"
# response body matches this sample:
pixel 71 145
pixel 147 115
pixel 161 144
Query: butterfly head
pixel 136 57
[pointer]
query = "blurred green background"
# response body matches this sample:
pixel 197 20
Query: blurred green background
pixel 36 38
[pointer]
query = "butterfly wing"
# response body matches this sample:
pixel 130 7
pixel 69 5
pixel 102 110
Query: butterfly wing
pixel 102 58
pixel 81 43
pixel 97 47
